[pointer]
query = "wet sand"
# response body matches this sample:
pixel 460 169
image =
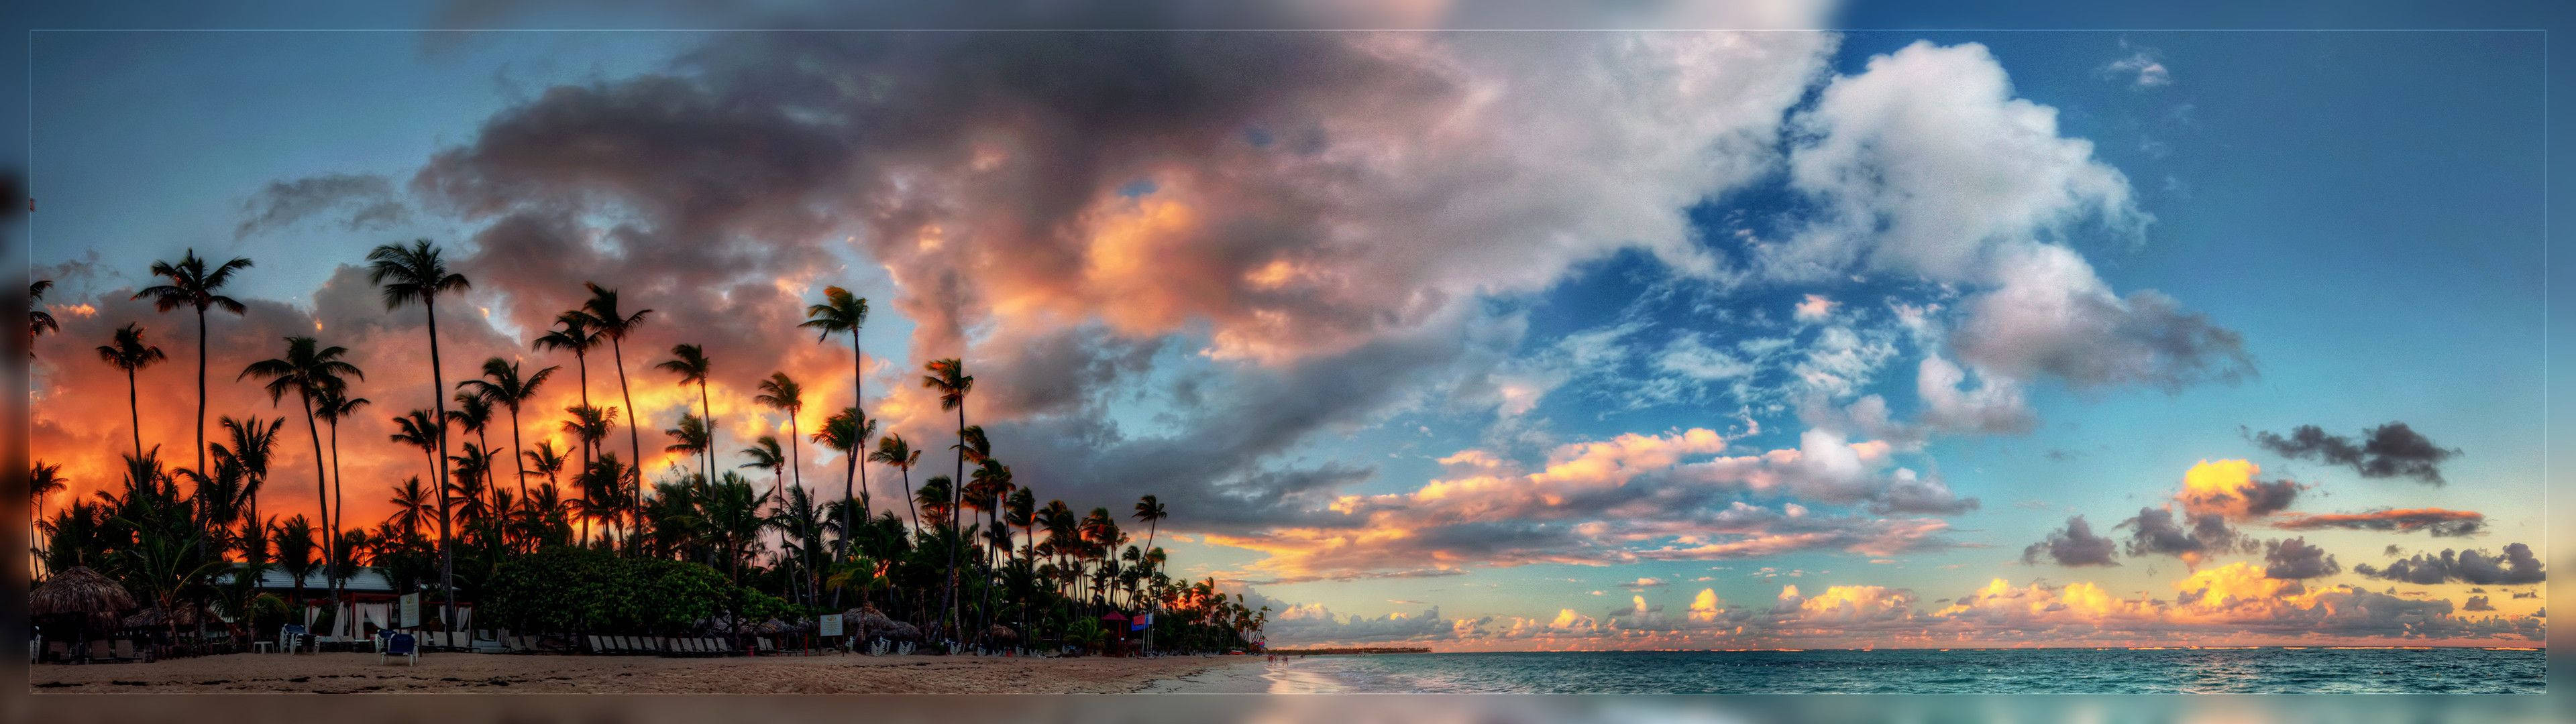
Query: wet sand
pixel 501 673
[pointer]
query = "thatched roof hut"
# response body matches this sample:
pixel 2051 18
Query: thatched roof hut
pixel 869 623
pixel 78 590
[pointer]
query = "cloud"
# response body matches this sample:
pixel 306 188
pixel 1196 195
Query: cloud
pixel 2074 545
pixel 2050 315
pixel 368 201
pixel 2193 538
pixel 1925 160
pixel 2144 68
pixel 1633 497
pixel 2294 559
pixel 1815 308
pixel 2477 603
pixel 2516 565
pixel 1313 623
pixel 2436 521
pixel 2230 489
pixel 2386 451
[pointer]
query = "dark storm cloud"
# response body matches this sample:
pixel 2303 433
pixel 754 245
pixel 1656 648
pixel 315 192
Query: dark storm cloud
pixel 2386 451
pixel 2074 545
pixel 364 202
pixel 2435 521
pixel 2294 559
pixel 2157 531
pixel 2516 565
pixel 2477 603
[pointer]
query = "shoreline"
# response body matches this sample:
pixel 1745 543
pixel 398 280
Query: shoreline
pixel 522 673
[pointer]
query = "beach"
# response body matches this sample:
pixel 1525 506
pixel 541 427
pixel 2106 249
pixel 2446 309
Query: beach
pixel 501 673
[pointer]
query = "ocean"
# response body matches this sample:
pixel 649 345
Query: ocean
pixel 1924 671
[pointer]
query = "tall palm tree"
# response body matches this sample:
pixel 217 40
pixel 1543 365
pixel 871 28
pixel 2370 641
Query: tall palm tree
pixel 573 333
pixel 127 351
pixel 614 323
pixel 845 433
pixel 191 284
pixel 892 450
pixel 314 373
pixel 765 454
pixel 503 385
pixel 843 312
pixel 43 481
pixel 948 377
pixel 418 274
pixel 1150 512
pixel 782 393
pixel 39 321
pixel 336 405
pixel 690 363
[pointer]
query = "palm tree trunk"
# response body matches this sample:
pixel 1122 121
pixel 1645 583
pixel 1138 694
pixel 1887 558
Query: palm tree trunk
pixel 134 412
pixel 858 447
pixel 446 548
pixel 339 504
pixel 581 362
pixel 708 411
pixel 201 392
pixel 956 486
pixel 518 455
pixel 321 479
pixel 617 348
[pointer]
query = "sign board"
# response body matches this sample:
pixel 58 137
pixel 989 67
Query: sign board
pixel 411 610
pixel 831 623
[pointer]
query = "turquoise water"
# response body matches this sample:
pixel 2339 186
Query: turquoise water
pixel 2086 671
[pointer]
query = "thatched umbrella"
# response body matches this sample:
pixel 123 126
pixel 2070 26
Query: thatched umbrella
pixel 78 590
pixel 82 594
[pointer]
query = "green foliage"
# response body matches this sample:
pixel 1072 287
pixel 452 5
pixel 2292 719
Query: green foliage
pixel 565 589
pixel 267 614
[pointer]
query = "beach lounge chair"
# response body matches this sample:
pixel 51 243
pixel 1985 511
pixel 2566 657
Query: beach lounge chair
pixel 401 645
pixel 762 642
pixel 713 647
pixel 628 645
pixel 687 647
pixel 592 640
pixel 124 650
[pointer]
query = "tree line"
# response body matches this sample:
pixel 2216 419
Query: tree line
pixel 973 558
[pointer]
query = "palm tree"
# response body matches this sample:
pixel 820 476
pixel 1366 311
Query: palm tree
pixel 127 351
pixel 573 333
pixel 418 274
pixel 603 486
pixel 43 481
pixel 892 450
pixel 613 323
pixel 845 432
pixel 844 312
pixel 1150 512
pixel 334 406
pixel 690 363
pixel 503 385
pixel 764 454
pixel 782 393
pixel 949 378
pixel 591 425
pixel 474 415
pixel 294 541
pixel 411 505
pixel 689 438
pixel 251 444
pixel 39 321
pixel 191 284
pixel 546 461
pixel 315 373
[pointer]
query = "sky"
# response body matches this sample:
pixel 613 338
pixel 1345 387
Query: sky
pixel 1465 340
